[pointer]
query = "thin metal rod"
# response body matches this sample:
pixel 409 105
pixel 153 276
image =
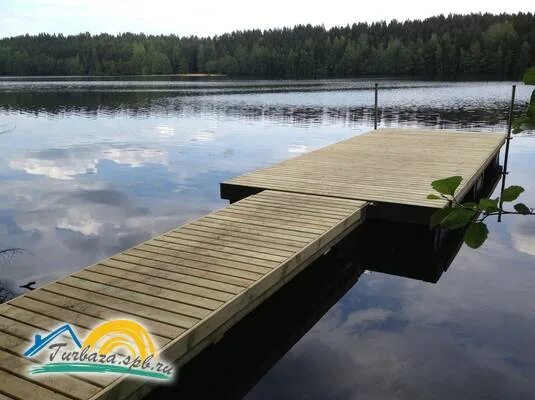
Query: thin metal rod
pixel 375 110
pixel 507 141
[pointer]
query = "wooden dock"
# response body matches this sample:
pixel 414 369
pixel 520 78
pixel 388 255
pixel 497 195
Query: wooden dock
pixel 191 284
pixel 186 286
pixel 392 168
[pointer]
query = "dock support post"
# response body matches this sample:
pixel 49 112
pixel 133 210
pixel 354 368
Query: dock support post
pixel 507 141
pixel 375 110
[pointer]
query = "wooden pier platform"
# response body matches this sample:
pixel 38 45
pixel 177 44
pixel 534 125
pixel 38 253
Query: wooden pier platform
pixel 186 286
pixel 393 168
pixel 189 285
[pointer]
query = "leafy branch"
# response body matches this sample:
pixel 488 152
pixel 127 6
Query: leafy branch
pixel 472 215
pixel 527 121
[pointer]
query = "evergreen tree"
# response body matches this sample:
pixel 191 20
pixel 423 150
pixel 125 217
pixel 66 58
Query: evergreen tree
pixel 498 46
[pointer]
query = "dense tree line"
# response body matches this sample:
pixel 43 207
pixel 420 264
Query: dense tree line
pixel 498 46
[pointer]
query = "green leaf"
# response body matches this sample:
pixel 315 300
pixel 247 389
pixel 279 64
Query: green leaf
pixel 433 197
pixel 447 185
pixel 511 193
pixel 529 76
pixel 470 204
pixel 458 218
pixel 476 234
pixel 526 122
pixel 489 205
pixel 439 215
pixel 521 208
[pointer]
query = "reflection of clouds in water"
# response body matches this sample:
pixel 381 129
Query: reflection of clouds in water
pixel 81 222
pixel 523 235
pixel 297 148
pixel 69 226
pixel 367 316
pixel 165 131
pixel 65 164
pixel 135 157
pixel 392 337
pixel 90 211
pixel 523 143
pixel 351 353
pixel 204 136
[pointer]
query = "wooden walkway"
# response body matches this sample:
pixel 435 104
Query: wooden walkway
pixel 386 166
pixel 187 286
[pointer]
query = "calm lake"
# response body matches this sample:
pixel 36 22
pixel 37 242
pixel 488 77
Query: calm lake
pixel 91 167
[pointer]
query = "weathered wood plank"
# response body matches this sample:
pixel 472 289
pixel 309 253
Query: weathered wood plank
pixel 22 389
pixel 387 165
pixel 186 286
pixel 64 384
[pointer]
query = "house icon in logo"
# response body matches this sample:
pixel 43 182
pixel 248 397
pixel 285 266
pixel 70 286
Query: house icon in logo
pixel 40 342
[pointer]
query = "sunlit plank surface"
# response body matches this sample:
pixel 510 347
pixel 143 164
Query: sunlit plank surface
pixel 387 165
pixel 186 287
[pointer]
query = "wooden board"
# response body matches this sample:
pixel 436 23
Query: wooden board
pixel 187 287
pixel 387 165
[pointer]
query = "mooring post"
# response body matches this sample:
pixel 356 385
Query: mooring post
pixel 507 141
pixel 375 110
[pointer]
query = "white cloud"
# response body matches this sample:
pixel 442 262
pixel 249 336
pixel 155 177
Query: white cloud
pixel 214 17
pixel 297 148
pixel 66 170
pixel 367 316
pixel 165 131
pixel 205 136
pixel 135 157
pixel 523 236
pixel 65 164
pixel 80 221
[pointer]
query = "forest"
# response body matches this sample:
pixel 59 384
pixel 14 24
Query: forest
pixel 451 47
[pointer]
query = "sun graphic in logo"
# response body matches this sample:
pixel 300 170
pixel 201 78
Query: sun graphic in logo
pixel 119 346
pixel 121 333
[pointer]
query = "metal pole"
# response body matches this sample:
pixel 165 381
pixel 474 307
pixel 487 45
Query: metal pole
pixel 375 110
pixel 507 141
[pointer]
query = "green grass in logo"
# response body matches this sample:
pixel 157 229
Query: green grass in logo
pixel 95 368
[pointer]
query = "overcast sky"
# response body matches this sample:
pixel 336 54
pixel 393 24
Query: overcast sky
pixel 209 17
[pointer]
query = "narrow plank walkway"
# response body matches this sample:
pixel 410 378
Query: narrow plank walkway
pixel 187 286
pixel 386 165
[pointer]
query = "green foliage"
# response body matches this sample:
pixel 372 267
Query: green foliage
pixel 521 208
pixel 458 218
pixel 497 46
pixel 476 234
pixel 471 215
pixel 447 185
pixel 439 216
pixel 511 193
pixel 526 122
pixel 489 205
pixel 529 76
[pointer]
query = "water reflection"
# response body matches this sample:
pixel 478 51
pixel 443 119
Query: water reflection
pixel 248 351
pixel 163 153
pixel 88 169
pixel 66 163
pixel 441 104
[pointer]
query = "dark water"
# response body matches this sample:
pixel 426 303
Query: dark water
pixel 88 168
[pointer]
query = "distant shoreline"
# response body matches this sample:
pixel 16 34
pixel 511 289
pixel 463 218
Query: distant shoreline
pixel 441 47
pixel 196 75
pixel 379 78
